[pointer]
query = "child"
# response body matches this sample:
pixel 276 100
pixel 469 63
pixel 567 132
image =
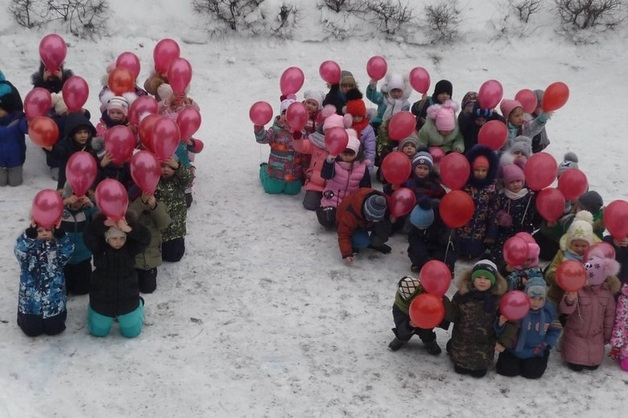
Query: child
pixel 282 173
pixel 518 153
pixel 441 128
pixel 13 127
pixel 408 289
pixel 619 335
pixel 175 179
pixel 524 346
pixel 116 111
pixel 621 255
pixel 337 95
pixel 472 343
pixel 471 121
pixel 409 145
pixel 114 291
pixel 360 124
pixel 314 104
pixel 518 276
pixel 590 315
pixel 363 222
pixel 540 140
pixel 399 91
pixel 154 216
pixel 591 201
pixel 479 234
pixel 77 213
pixel 443 91
pixel 378 98
pixel 512 111
pixel 344 174
pixel 42 253
pixel 424 181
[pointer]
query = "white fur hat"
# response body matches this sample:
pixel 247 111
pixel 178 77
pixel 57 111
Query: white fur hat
pixel 395 81
pixel 316 95
pixel 114 232
pixel 59 104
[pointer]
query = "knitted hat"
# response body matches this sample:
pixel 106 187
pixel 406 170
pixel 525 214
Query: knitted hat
pixel 395 81
pixel 581 228
pixel 375 207
pixel 285 104
pixel 316 95
pixel 536 287
pixel 354 142
pixel 333 121
pixel 118 103
pixel 507 106
pixel 485 268
pixel 114 232
pixel 522 144
pixel 599 268
pixel 346 77
pixel 512 172
pixel 10 99
pixel 591 201
pixel 443 115
pixel 164 91
pixel 356 107
pixel 408 287
pixel 422 216
pixel 412 139
pixel 443 86
pixel 423 157
pixel 570 160
pixel 480 161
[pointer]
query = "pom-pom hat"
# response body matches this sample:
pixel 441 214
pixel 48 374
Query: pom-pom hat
pixel 485 268
pixel 375 207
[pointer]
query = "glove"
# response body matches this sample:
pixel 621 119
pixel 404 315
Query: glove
pixel 282 97
pixel 297 135
pixel 614 353
pixel 58 233
pixel 539 349
pixel 31 232
pixel 258 128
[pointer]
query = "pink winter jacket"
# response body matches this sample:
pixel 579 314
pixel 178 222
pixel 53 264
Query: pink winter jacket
pixel 589 325
pixel 347 178
pixel 314 144
pixel 619 336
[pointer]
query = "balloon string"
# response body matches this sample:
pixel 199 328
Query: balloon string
pixel 448 244
pixel 525 212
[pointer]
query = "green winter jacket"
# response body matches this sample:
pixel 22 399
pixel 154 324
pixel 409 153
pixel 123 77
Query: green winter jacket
pixel 155 220
pixel 171 192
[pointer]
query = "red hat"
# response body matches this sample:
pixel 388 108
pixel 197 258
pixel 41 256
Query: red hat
pixel 480 161
pixel 356 107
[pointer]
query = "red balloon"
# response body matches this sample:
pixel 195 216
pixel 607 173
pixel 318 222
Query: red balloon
pixel 112 199
pixel 330 72
pixel 297 115
pixel 435 277
pixel 420 79
pixel 540 171
pixel 396 167
pixel 75 92
pixel 145 171
pixel 336 140
pixel 427 311
pixel 80 171
pixel 455 170
pixel 528 100
pixel 261 113
pixel 493 134
pixel 179 75
pixel 515 251
pixel 43 131
pixel 573 183
pixel 145 130
pixel 291 80
pixel 490 94
pixel 401 125
pixel 456 208
pixel 120 143
pixel 401 202
pixel 376 67
pixel 616 219
pixel 166 51
pixel 571 275
pixel 514 305
pixel 555 96
pixel 550 204
pixel 130 61
pixel 141 105
pixel 600 249
pixel 188 120
pixel 52 51
pixel 121 81
pixel 47 208
pixel 164 138
pixel 37 103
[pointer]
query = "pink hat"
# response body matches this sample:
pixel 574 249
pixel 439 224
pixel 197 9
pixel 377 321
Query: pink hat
pixel 445 120
pixel 599 268
pixel 507 106
pixel 118 103
pixel 354 142
pixel 512 172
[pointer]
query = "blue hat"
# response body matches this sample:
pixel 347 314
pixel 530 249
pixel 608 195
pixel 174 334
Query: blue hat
pixel 422 216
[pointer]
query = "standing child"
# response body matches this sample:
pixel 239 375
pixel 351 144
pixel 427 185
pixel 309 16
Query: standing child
pixel 361 125
pixel 424 181
pixel 524 346
pixel 116 111
pixel 512 111
pixel 114 291
pixel 42 299
pixel 337 94
pixel 473 117
pixel 399 90
pixel 378 98
pixel 518 276
pixel 472 343
pixel 443 91
pixel 13 127
pixel 441 128
pixel 590 315
pixel 540 140
pixel 619 336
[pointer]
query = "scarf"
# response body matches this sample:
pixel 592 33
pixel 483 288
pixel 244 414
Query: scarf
pixel 358 126
pixel 516 196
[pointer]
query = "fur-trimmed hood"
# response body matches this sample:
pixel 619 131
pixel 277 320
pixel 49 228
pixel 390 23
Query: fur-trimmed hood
pixel 493 165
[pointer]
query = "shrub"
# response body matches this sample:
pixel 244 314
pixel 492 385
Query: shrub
pixel 442 21
pixel 586 14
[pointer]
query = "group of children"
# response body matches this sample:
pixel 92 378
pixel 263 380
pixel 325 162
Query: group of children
pixel 339 188
pixel 112 260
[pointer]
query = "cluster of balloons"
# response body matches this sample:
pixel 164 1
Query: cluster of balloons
pixel 427 310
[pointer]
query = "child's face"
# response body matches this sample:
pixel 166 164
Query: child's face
pixel 348 155
pixel 579 246
pixel 357 118
pixel 282 117
pixel 116 115
pixel 311 105
pixel 409 150
pixel 116 242
pixel 538 110
pixel 166 171
pixel 396 94
pixel 516 117
pixel 81 136
pixel 421 171
pixel 442 97
pixel 44 234
pixel 519 155
pixel 515 186
pixel 345 87
pixel 536 302
pixel 480 173
pixel 482 283
pixel 3 113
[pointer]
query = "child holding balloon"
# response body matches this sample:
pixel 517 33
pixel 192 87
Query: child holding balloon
pixel 443 91
pixel 512 111
pixel 519 273
pixel 441 128
pixel 13 127
pixel 361 125
pixel 115 113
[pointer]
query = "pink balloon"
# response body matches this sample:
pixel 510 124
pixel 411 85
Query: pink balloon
pixel 166 51
pixel 540 170
pixel 401 125
pixel 515 251
pixel 336 140
pixel 573 183
pixel 437 154
pixel 376 67
pixel 297 116
pixel 401 202
pixel 616 219
pixel 120 143
pixel 37 103
pixel 75 92
pixel 493 134
pixel 145 171
pixel 396 167
pixel 188 120
pixel 130 61
pixel 80 172
pixel 164 138
pixel 141 105
pixel 291 80
pixel 179 75
pixel 455 170
pixel 47 208
pixel 112 199
pixel 490 94
pixel 514 305
pixel 435 277
pixel 528 100
pixel 550 204
pixel 420 79
pixel 260 113
pixel 330 72
pixel 52 51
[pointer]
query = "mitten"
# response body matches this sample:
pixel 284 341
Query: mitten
pixel 297 135
pixel 282 97
pixel 258 128
pixel 31 232
pixel 614 353
pixel 539 349
pixel 58 232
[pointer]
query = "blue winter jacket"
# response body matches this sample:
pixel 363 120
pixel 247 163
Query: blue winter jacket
pixel 13 127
